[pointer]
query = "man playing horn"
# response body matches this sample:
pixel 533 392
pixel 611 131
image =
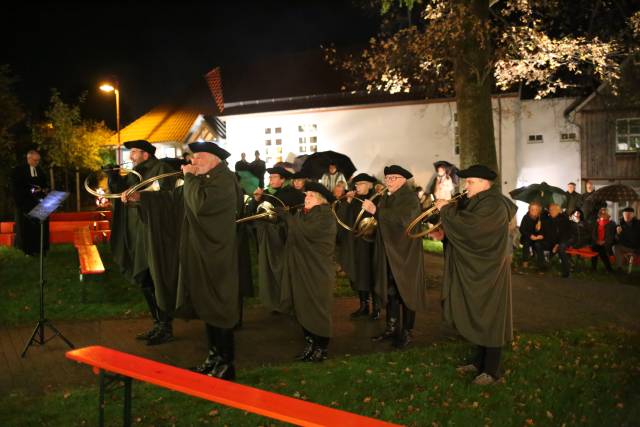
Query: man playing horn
pixel 401 288
pixel 129 236
pixel 476 293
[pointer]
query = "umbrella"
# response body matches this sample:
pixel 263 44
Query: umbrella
pixel 619 193
pixel 543 193
pixel 318 163
pixel 247 181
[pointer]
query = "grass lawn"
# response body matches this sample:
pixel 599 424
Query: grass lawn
pixel 583 377
pixel 108 295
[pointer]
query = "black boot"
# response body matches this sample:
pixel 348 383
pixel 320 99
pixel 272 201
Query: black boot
pixel 403 339
pixel 150 298
pixel 389 332
pixel 164 334
pixel 209 363
pixel 225 368
pixel 363 310
pixel 318 354
pixel 307 349
pixel 375 311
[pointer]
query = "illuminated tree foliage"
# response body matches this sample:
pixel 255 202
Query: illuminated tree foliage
pixel 469 48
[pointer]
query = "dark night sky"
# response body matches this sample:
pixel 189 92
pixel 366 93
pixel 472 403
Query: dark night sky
pixel 155 48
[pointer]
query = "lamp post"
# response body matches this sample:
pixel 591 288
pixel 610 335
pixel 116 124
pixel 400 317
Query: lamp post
pixel 108 87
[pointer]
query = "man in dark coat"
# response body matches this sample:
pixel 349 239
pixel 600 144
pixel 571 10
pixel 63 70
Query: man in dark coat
pixel 590 205
pixel 574 199
pixel 129 239
pixel 357 252
pixel 272 236
pixel 258 168
pixel 399 274
pixel 532 235
pixel 476 293
pixel 558 235
pixel 627 237
pixel 309 274
pixel 29 185
pixel 603 237
pixel 205 262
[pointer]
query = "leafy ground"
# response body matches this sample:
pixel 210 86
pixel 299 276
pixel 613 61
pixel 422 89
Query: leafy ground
pixel 582 377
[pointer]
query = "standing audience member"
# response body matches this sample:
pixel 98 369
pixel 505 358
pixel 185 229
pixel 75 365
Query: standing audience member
pixel 532 235
pixel 591 206
pixel 603 236
pixel 242 164
pixel 557 236
pixel 332 177
pixel 28 186
pixel 258 168
pixel 574 200
pixel 627 237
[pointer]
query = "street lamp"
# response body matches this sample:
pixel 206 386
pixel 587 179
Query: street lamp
pixel 108 87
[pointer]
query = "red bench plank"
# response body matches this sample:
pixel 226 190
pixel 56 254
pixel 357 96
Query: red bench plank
pixel 6 227
pixel 585 252
pixel 6 239
pixel 82 237
pixel 90 261
pixel 227 393
pixel 80 216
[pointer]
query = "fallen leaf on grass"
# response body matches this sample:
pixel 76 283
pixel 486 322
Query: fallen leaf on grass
pixel 549 415
pixel 213 413
pixel 619 405
pixel 367 399
pixel 66 395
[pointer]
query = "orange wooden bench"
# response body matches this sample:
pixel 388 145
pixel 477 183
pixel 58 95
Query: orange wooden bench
pixel 80 216
pixel 584 253
pixel 88 256
pixel 112 365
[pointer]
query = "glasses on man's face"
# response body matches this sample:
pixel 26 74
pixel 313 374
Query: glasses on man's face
pixel 391 178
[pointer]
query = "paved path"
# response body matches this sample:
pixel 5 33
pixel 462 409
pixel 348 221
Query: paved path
pixel 540 304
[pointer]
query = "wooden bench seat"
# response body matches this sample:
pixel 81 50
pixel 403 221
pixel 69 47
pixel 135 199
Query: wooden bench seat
pixel 80 216
pixel 106 362
pixel 585 252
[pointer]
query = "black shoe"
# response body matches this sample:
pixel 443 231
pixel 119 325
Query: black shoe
pixel 317 355
pixel 362 311
pixel 224 371
pixel 375 314
pixel 148 334
pixel 307 350
pixel 388 333
pixel 403 340
pixel 209 364
pixel 163 335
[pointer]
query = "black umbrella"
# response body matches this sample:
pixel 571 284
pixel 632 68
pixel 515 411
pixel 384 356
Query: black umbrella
pixel 619 193
pixel 318 163
pixel 543 193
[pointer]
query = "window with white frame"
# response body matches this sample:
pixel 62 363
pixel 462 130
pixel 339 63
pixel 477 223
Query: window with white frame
pixel 628 135
pixel 273 144
pixel 307 139
pixel 568 136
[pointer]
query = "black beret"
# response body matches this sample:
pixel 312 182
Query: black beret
pixel 397 170
pixel 628 209
pixel 364 177
pixel 478 171
pixel 319 188
pixel 141 144
pixel 209 147
pixel 280 171
pixel 299 175
pixel 442 164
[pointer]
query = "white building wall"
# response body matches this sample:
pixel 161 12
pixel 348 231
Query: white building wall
pixel 416 134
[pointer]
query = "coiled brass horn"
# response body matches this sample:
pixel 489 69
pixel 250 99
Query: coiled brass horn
pixel 148 184
pixel 335 214
pixel 365 228
pixel 99 180
pixel 425 216
pixel 265 211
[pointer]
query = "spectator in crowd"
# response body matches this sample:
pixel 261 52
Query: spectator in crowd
pixel 332 177
pixel 531 235
pixel 258 168
pixel 340 189
pixel 603 237
pixel 557 235
pixel 242 164
pixel 627 237
pixel 580 230
pixel 574 200
pixel 590 206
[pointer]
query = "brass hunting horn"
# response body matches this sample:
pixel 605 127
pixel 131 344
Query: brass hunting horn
pixel 366 227
pixel 425 216
pixel 96 183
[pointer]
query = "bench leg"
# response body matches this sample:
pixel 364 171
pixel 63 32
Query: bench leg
pixel 101 400
pixel 105 380
pixel 127 402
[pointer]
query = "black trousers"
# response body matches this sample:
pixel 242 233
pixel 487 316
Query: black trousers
pixel 221 341
pixel 318 341
pixel 148 290
pixel 396 308
pixel 487 360
pixel 603 255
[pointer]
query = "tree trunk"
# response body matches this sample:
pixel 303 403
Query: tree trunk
pixel 473 88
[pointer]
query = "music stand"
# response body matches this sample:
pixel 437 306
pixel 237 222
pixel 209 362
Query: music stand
pixel 41 212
